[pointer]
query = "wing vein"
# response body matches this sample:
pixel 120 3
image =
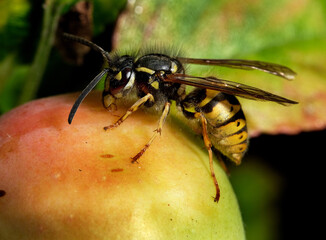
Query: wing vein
pixel 227 87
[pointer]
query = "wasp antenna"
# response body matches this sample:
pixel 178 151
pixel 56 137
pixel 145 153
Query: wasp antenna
pixel 90 44
pixel 84 93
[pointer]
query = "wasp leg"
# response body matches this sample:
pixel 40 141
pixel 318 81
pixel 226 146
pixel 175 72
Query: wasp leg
pixel 208 146
pixel 133 108
pixel 156 132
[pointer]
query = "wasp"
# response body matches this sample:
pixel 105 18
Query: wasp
pixel 158 79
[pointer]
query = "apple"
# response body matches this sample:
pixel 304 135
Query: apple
pixel 61 181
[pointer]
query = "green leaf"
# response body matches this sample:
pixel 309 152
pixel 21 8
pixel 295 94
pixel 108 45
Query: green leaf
pixel 288 32
pixel 15 87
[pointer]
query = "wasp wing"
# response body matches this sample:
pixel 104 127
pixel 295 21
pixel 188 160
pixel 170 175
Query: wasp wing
pixel 272 68
pixel 228 87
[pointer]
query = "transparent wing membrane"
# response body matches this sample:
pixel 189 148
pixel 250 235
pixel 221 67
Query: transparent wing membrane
pixel 228 87
pixel 272 68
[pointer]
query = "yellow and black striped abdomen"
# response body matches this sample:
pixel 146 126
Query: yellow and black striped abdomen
pixel 226 123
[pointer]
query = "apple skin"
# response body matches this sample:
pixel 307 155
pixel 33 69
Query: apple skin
pixel 61 181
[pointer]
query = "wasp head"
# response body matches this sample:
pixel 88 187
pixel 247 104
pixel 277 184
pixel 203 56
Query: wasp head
pixel 119 81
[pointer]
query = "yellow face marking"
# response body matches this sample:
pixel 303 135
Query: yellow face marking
pixel 107 84
pixel 118 76
pixel 146 70
pixel 232 127
pixel 155 85
pixel 234 139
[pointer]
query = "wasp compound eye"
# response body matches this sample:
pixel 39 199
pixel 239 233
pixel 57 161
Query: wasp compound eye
pixel 122 82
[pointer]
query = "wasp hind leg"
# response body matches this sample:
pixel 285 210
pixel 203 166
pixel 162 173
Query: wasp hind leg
pixel 208 146
pixel 157 131
pixel 133 108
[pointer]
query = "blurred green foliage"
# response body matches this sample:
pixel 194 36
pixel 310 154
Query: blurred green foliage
pixel 27 32
pixel 14 25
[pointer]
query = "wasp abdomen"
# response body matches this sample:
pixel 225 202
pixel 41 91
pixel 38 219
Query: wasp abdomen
pixel 226 123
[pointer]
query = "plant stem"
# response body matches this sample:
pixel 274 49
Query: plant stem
pixel 52 11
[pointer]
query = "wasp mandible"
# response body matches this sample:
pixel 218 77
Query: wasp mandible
pixel 157 79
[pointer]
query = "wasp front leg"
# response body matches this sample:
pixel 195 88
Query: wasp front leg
pixel 157 131
pixel 208 146
pixel 133 108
